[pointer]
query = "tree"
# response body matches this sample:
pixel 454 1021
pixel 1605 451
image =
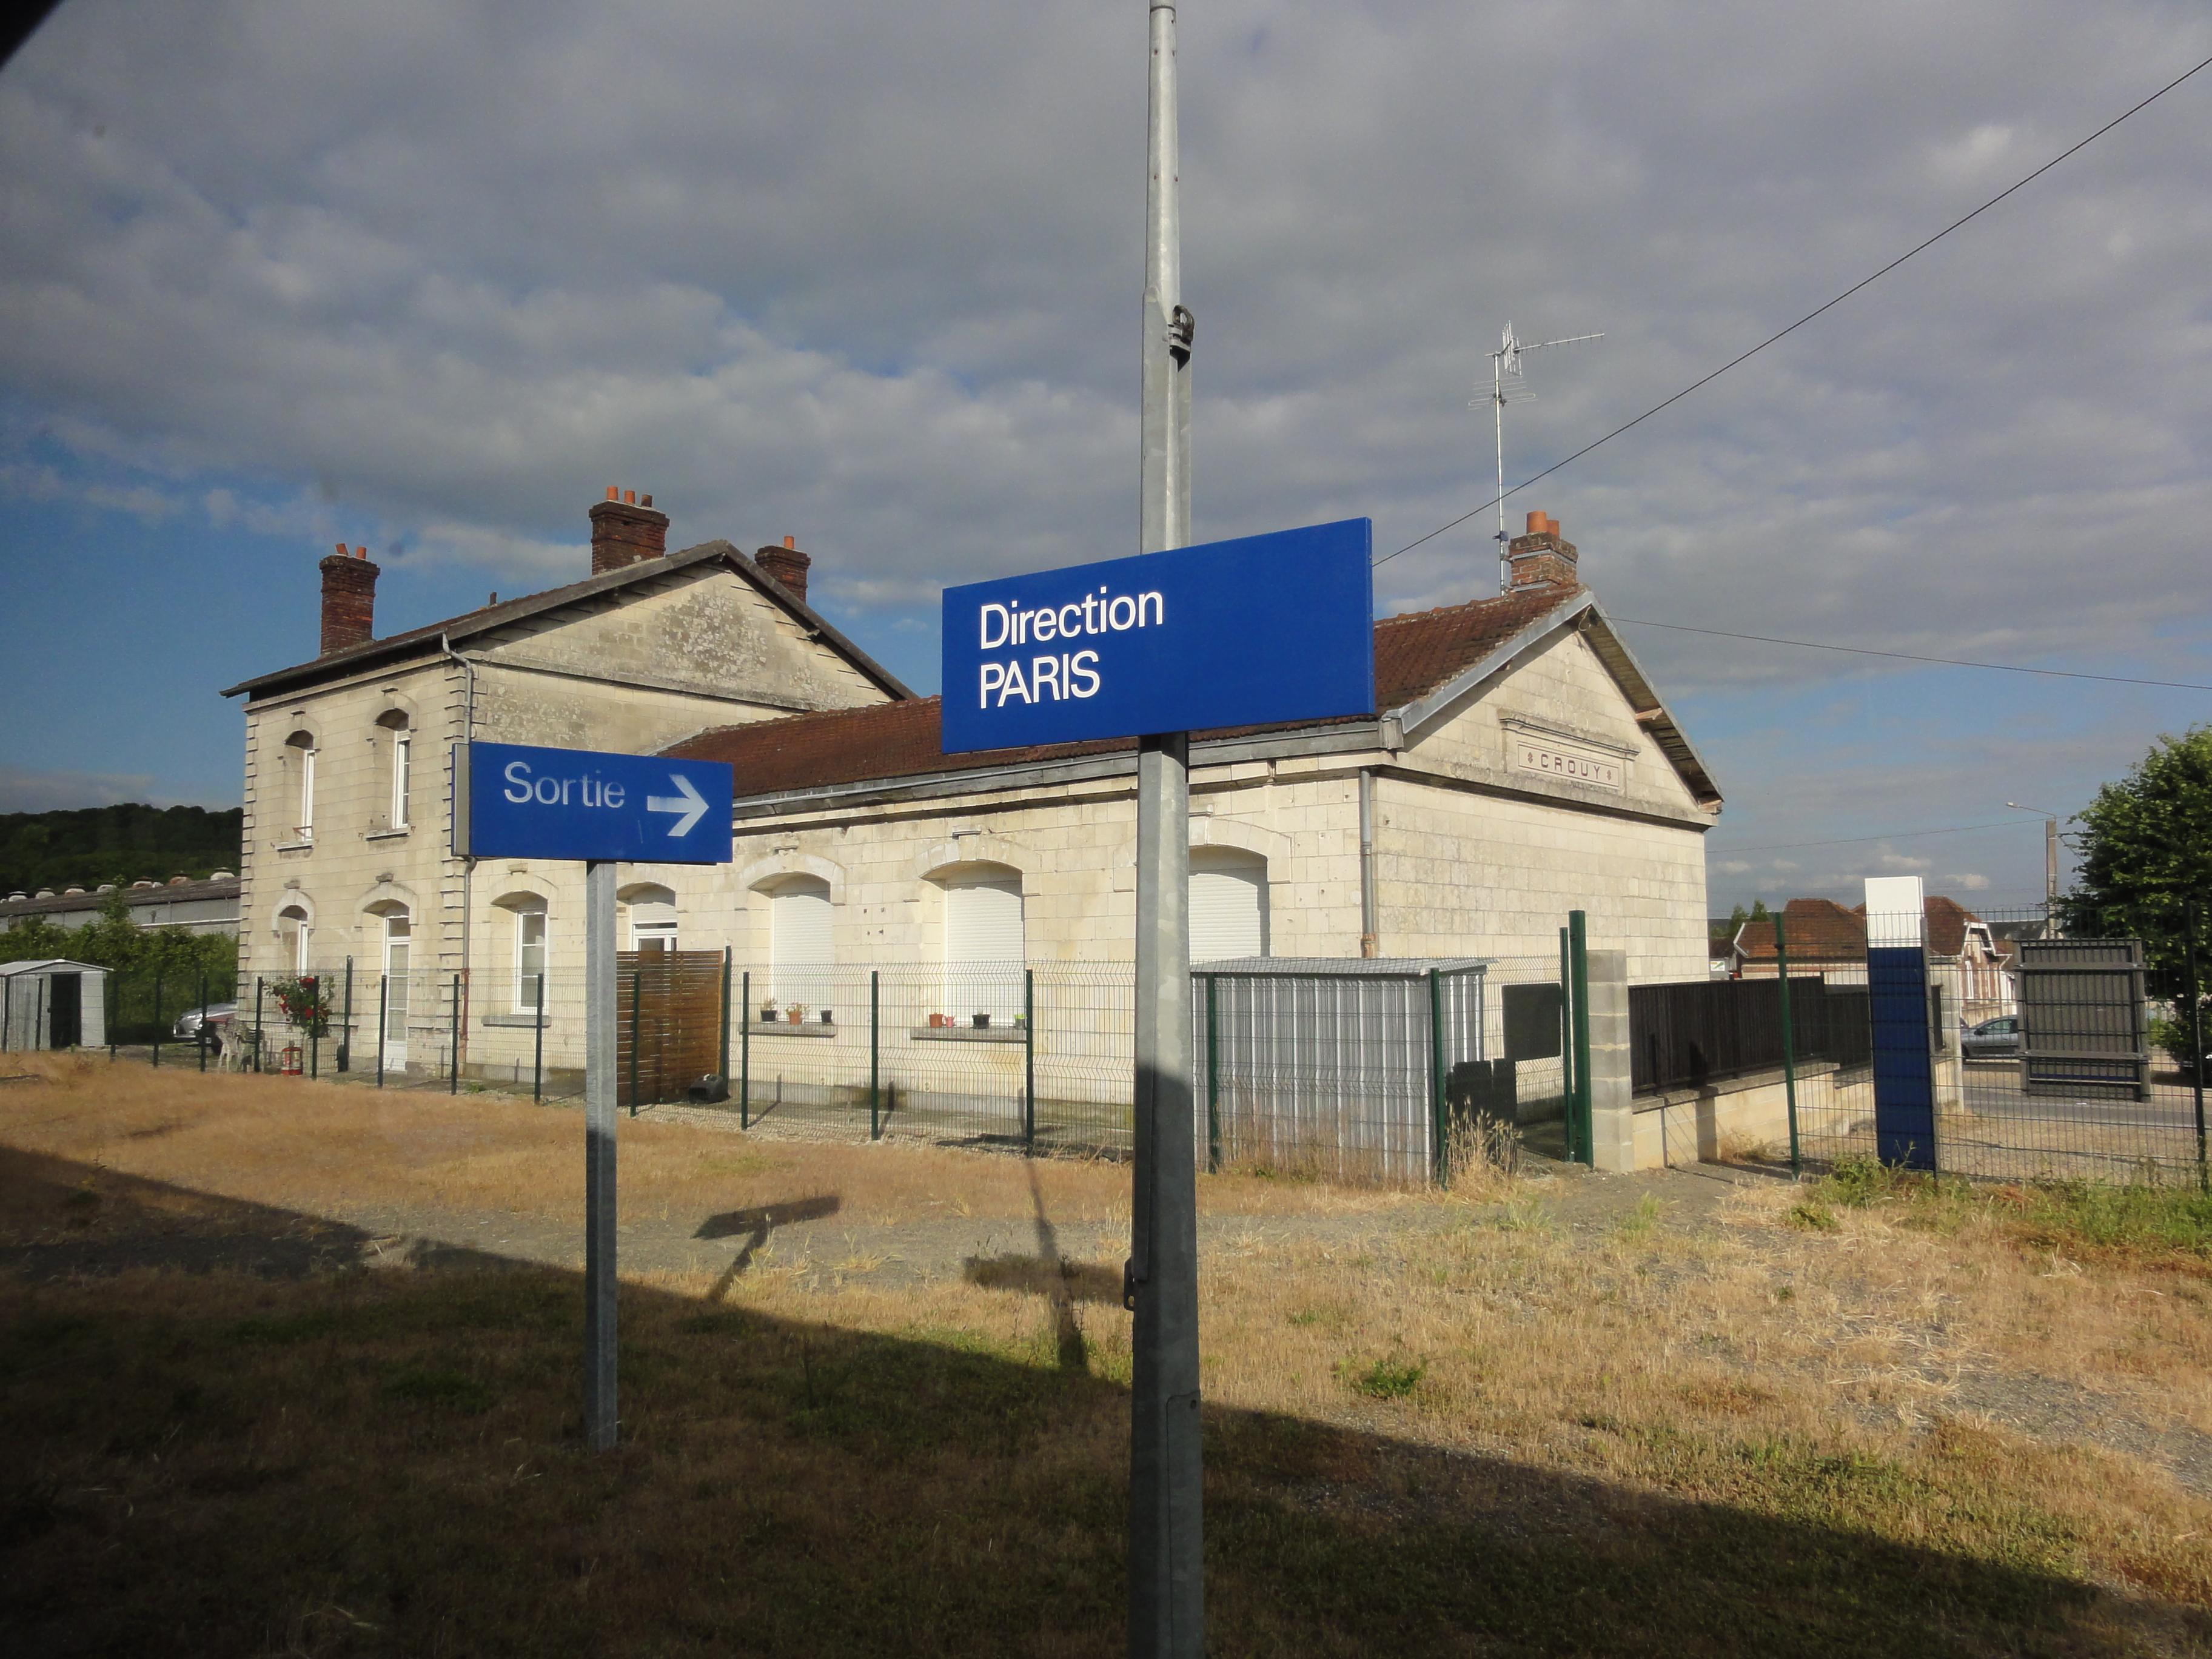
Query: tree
pixel 1759 912
pixel 2146 859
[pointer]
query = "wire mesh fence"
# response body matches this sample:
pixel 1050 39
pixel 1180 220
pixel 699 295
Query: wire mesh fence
pixel 1999 1046
pixel 1367 1071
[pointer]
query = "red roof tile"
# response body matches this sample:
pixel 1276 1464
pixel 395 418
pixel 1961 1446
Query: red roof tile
pixel 1414 655
pixel 1821 930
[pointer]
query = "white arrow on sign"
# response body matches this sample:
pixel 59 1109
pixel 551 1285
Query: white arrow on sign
pixel 689 802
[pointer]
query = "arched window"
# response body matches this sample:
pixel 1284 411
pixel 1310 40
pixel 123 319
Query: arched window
pixel 985 951
pixel 300 749
pixel 401 741
pixel 1228 903
pixel 526 919
pixel 652 918
pixel 294 927
pixel 801 948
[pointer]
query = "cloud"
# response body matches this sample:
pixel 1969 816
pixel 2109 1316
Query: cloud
pixel 877 286
pixel 1735 867
pixel 44 792
pixel 1970 882
pixel 1898 864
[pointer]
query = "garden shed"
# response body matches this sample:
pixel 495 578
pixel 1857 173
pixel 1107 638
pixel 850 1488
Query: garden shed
pixel 53 1004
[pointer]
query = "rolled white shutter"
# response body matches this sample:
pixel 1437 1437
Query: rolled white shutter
pixel 800 940
pixel 1228 907
pixel 983 920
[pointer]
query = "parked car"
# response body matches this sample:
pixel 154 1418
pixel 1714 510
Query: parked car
pixel 1993 1039
pixel 205 1025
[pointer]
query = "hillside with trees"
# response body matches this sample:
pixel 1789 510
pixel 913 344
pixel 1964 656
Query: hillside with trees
pixel 83 846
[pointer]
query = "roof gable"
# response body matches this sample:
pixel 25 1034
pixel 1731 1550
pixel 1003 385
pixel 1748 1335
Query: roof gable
pixel 490 619
pixel 1422 660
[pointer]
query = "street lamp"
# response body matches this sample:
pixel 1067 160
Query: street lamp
pixel 2050 863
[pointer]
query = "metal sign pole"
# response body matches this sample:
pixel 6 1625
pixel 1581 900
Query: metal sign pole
pixel 1167 1591
pixel 599 1120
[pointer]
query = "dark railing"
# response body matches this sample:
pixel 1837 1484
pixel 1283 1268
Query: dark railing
pixel 1695 1032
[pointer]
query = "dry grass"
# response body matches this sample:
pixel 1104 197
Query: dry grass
pixel 325 1147
pixel 1499 1421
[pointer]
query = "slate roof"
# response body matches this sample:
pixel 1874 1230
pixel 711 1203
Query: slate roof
pixel 1415 656
pixel 490 618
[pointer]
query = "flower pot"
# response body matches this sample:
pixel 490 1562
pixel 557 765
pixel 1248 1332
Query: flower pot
pixel 982 1022
pixel 937 1021
pixel 826 1019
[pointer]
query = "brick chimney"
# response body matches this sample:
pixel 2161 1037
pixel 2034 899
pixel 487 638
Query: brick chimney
pixel 787 565
pixel 1541 558
pixel 349 599
pixel 626 531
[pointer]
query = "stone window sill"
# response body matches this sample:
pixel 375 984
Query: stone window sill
pixel 295 847
pixel 968 1034
pixel 524 1020
pixel 403 831
pixel 813 1027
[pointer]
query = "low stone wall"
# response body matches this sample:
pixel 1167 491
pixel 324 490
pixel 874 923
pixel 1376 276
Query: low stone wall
pixel 1683 1125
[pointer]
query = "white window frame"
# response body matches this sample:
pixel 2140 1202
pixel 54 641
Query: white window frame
pixel 649 929
pixel 306 824
pixel 302 958
pixel 402 762
pixel 526 976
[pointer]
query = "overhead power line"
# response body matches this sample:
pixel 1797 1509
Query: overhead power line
pixel 1854 288
pixel 1845 841
pixel 1908 656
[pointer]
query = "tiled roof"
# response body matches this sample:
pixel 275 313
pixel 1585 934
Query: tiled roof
pixel 1821 930
pixel 180 892
pixel 1414 654
pixel 488 618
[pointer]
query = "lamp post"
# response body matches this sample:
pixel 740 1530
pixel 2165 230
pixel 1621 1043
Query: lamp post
pixel 2050 864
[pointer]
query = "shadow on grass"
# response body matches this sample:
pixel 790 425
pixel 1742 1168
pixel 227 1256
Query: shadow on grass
pixel 284 1451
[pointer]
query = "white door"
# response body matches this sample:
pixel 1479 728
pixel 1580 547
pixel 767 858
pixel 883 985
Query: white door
pixel 399 933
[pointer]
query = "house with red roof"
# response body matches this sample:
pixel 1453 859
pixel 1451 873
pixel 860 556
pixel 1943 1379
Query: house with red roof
pixel 1520 764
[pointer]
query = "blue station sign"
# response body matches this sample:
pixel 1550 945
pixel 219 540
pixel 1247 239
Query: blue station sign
pixel 513 800
pixel 1250 632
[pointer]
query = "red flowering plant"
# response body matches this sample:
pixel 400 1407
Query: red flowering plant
pixel 306 1002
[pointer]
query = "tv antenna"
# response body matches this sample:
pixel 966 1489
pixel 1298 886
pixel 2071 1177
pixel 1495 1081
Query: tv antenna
pixel 1507 385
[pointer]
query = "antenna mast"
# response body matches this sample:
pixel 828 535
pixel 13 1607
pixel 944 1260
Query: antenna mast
pixel 1507 386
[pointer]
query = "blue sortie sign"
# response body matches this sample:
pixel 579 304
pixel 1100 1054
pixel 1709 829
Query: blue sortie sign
pixel 1249 632
pixel 512 801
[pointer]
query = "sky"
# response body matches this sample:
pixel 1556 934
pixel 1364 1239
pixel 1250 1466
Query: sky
pixel 428 278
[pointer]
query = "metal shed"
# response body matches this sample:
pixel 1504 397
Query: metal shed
pixel 1337 1063
pixel 53 1004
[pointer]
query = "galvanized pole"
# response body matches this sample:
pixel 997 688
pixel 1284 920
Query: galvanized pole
pixel 1167 1587
pixel 538 1045
pixel 1028 1060
pixel 599 1120
pixel 383 1021
pixel 875 1025
pixel 1578 953
pixel 745 1053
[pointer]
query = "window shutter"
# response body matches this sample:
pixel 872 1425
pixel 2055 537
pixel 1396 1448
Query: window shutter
pixel 983 922
pixel 1228 907
pixel 799 939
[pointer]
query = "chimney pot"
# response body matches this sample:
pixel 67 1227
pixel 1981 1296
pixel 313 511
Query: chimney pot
pixel 349 599
pixel 629 498
pixel 624 532
pixel 787 565
pixel 614 493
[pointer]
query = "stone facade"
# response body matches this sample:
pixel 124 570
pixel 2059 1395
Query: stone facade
pixel 1520 769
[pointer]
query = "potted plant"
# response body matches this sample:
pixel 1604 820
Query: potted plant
pixel 794 1012
pixel 828 1019
pixel 768 1011
pixel 982 1022
pixel 937 1021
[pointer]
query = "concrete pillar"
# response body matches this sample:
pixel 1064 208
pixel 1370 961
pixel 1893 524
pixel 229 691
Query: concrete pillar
pixel 1613 1111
